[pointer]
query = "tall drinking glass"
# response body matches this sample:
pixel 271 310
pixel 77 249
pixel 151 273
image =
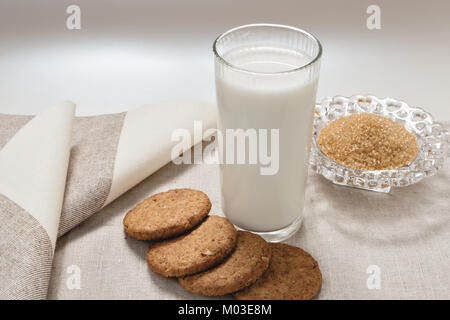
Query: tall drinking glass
pixel 266 82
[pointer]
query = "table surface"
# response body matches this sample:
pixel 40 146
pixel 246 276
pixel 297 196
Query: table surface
pixel 128 55
pixel 402 238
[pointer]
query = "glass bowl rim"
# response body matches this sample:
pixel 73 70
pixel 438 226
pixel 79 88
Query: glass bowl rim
pixel 413 167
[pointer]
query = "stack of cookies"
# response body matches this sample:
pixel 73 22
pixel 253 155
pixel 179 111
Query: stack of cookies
pixel 210 258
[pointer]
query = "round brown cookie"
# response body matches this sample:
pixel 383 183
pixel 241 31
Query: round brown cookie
pixel 248 261
pixel 194 252
pixel 167 214
pixel 293 274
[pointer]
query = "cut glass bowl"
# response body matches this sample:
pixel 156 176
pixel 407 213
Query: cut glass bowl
pixel 433 140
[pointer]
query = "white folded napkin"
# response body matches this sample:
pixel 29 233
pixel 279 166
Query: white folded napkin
pixel 44 193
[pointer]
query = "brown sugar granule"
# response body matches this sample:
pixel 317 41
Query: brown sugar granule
pixel 368 141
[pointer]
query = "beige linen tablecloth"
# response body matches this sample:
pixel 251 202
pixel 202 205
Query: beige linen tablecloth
pixel 403 236
pixel 57 170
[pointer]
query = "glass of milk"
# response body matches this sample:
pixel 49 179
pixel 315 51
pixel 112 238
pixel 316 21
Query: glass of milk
pixel 266 81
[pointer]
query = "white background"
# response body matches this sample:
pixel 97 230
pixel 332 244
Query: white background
pixel 130 53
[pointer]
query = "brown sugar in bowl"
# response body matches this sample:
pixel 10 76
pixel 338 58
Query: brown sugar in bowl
pixel 368 142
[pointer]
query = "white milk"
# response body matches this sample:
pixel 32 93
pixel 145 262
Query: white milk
pixel 285 101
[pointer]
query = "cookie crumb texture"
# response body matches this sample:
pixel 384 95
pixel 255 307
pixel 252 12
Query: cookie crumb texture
pixel 167 214
pixel 202 248
pixel 244 266
pixel 293 274
pixel 367 141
